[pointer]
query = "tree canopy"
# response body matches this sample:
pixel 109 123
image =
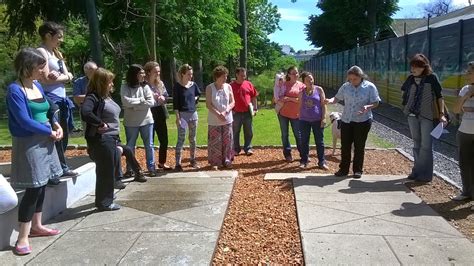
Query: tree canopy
pixel 343 24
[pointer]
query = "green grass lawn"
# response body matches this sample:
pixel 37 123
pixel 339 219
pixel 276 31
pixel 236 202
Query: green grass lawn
pixel 266 131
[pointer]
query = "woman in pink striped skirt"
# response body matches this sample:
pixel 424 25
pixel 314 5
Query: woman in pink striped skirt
pixel 219 101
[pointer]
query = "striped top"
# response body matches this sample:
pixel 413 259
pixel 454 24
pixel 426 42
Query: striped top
pixel 431 92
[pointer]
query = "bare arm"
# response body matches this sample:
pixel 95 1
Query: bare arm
pixel 324 107
pixel 53 77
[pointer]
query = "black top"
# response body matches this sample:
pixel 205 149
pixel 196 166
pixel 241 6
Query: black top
pixel 184 98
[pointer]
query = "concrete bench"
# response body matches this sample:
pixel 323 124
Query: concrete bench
pixel 57 198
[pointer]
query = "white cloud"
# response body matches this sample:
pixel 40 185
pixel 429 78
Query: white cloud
pixel 293 14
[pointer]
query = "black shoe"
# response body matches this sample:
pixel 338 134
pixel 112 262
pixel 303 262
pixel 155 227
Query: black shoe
pixel 357 175
pixel 165 167
pixel 411 177
pixel 151 173
pixel 119 184
pixel 340 173
pixel 178 168
pixel 111 207
pixel 194 165
pixel 70 173
pixel 54 181
pixel 140 178
pixel 129 174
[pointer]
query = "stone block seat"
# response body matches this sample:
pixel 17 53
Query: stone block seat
pixel 57 198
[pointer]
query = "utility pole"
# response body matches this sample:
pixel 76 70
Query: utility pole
pixel 153 30
pixel 94 33
pixel 243 32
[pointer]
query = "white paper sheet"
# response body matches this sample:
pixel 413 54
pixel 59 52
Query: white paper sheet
pixel 437 131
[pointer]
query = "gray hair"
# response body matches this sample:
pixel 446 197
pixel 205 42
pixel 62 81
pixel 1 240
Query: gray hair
pixel 90 65
pixel 357 71
pixel 26 61
pixel 470 65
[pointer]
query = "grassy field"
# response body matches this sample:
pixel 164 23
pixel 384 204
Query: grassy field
pixel 266 131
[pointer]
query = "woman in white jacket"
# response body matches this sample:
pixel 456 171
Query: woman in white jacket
pixel 137 99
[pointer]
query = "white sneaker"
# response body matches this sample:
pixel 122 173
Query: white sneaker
pixel 460 197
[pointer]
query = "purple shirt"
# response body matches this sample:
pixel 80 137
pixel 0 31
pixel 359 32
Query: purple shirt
pixel 311 106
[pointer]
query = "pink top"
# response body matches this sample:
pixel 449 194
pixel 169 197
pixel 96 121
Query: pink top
pixel 290 108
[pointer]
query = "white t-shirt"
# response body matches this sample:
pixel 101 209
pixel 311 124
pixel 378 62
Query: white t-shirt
pixel 467 123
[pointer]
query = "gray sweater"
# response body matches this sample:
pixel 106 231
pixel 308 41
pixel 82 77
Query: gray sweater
pixel 136 104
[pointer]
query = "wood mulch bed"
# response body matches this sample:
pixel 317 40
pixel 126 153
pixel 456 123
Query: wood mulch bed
pixel 261 223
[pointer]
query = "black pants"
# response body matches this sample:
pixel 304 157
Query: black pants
pixel 353 133
pixel 161 129
pixel 61 145
pixel 130 158
pixel 31 203
pixel 466 162
pixel 103 151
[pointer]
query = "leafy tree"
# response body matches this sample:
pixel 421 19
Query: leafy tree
pixel 343 24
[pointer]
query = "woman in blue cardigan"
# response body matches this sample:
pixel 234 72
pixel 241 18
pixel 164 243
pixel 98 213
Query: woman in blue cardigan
pixel 34 130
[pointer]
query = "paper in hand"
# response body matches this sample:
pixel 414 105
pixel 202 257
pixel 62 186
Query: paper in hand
pixel 437 131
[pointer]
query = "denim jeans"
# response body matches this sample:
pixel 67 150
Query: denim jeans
pixel 245 119
pixel 353 133
pixel 420 129
pixel 146 132
pixel 318 132
pixel 284 121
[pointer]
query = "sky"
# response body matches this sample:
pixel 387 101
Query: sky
pixel 295 15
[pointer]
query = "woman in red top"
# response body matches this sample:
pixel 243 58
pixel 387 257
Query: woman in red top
pixel 289 113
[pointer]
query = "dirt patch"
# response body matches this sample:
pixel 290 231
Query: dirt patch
pixel 261 224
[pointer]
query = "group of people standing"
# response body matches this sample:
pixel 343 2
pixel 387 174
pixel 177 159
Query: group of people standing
pixel 40 118
pixel 303 105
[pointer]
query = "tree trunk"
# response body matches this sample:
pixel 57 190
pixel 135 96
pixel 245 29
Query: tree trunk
pixel 94 33
pixel 197 67
pixel 153 30
pixel 372 18
pixel 243 32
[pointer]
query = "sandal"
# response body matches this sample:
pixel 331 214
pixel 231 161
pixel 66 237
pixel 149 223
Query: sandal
pixel 21 251
pixel 51 232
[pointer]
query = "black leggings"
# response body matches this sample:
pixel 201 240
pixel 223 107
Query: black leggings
pixel 130 158
pixel 31 203
pixel 161 129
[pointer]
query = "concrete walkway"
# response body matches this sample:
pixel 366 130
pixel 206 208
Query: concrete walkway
pixel 372 220
pixel 173 219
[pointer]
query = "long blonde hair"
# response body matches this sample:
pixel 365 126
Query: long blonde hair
pixel 150 66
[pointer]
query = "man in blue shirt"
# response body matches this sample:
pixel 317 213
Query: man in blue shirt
pixel 79 86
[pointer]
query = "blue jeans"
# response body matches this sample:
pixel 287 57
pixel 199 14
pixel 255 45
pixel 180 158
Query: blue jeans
pixel 318 132
pixel 420 129
pixel 284 121
pixel 245 119
pixel 146 132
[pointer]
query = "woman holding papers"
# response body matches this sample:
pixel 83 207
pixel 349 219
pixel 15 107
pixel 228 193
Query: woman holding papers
pixel 185 96
pixel 421 92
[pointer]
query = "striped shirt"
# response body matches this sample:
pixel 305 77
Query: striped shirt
pixel 431 91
